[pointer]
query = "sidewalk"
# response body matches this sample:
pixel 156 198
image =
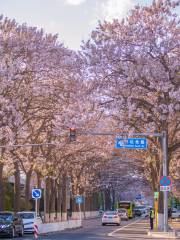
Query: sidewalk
pixel 138 230
pixel 175 224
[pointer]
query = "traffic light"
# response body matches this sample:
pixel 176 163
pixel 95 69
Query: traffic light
pixel 72 135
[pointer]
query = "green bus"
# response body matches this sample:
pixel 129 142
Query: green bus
pixel 127 205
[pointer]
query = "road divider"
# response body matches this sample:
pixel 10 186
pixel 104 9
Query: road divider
pixel 44 228
pixel 36 231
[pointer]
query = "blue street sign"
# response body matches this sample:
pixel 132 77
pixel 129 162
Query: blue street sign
pixel 138 197
pixel 36 193
pixel 79 199
pixel 131 143
pixel 165 181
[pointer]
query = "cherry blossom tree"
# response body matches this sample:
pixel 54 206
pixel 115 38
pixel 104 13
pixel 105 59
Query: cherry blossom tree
pixel 29 63
pixel 133 67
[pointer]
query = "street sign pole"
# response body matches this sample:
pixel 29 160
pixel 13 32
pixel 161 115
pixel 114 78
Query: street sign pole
pixel 36 207
pixel 45 210
pixel 165 173
pixel 80 217
pixel 36 194
pixel 79 201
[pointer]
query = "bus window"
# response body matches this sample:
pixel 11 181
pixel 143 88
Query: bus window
pixel 127 205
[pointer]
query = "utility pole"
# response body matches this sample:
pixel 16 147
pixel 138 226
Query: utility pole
pixel 165 173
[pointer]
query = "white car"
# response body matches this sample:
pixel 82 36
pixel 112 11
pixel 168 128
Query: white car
pixel 123 213
pixel 111 217
pixel 28 221
pixel 175 213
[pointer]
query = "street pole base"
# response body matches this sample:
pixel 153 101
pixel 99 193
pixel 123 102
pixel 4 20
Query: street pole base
pixel 165 235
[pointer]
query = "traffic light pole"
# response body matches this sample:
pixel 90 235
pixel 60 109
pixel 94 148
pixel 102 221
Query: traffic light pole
pixel 165 173
pixel 164 138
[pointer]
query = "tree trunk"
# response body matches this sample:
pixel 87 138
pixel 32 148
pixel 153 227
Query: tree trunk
pixel 91 203
pixel 2 195
pixel 107 199
pixel 64 203
pixel 17 190
pixel 27 190
pixel 84 205
pixel 59 201
pixel 52 200
pixel 87 203
pixel 47 182
pixel 113 199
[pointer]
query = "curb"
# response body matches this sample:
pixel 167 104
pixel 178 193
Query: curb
pixel 164 235
pixel 69 229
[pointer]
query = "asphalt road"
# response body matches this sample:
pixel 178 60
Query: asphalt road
pixel 135 229
pixel 91 230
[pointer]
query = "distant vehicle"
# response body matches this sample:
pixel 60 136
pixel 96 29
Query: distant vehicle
pixel 111 217
pixel 127 205
pixel 11 225
pixel 137 212
pixel 175 213
pixel 28 219
pixel 101 212
pixel 141 210
pixel 123 213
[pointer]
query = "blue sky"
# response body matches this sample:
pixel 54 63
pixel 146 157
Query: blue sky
pixel 73 20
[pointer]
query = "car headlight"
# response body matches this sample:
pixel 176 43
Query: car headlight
pixel 6 226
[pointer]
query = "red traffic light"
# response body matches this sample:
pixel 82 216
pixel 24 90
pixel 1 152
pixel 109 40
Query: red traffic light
pixel 72 134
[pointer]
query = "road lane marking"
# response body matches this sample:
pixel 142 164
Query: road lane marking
pixel 111 234
pixel 95 237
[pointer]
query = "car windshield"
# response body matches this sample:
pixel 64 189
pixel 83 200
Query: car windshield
pixel 122 210
pixel 140 207
pixel 6 217
pixel 26 215
pixel 111 213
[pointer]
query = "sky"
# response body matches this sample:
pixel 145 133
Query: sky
pixel 73 20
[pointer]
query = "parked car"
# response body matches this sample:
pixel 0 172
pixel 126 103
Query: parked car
pixel 111 217
pixel 11 225
pixel 175 213
pixel 123 213
pixel 28 220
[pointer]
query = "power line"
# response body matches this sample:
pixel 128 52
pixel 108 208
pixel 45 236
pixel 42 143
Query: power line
pixel 26 145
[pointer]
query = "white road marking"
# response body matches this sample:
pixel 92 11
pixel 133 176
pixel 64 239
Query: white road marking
pixel 111 234
pixel 96 238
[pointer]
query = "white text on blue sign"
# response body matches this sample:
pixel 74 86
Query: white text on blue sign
pixel 131 143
